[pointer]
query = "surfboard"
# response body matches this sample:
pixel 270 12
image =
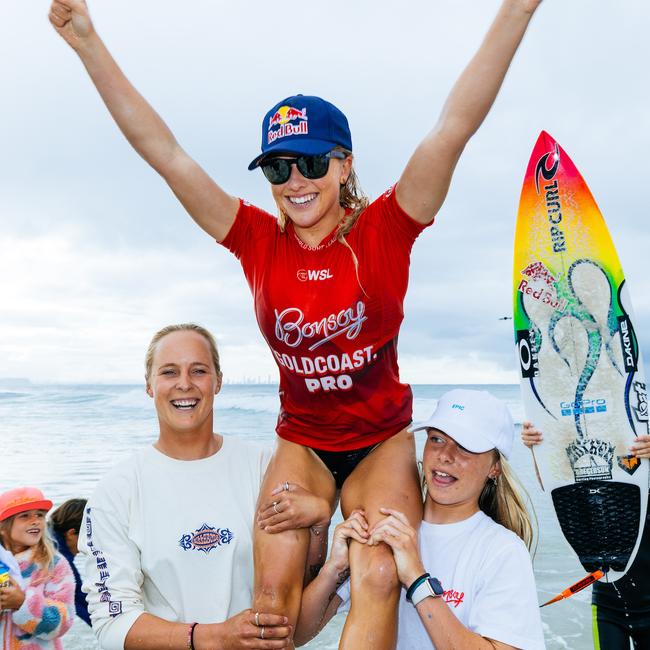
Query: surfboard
pixel 581 371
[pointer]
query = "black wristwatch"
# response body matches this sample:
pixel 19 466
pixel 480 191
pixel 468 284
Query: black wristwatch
pixel 424 587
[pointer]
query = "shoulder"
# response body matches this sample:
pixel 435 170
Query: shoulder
pixel 115 486
pixel 386 213
pixel 249 452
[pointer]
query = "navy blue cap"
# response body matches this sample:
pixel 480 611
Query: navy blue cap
pixel 303 124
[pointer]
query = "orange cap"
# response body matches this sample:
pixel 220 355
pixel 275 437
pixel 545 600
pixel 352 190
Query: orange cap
pixel 20 500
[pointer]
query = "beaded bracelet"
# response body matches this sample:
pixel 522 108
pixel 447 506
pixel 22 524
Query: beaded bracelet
pixel 190 636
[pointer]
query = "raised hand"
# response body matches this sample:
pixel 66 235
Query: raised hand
pixel 530 435
pixel 70 18
pixel 396 531
pixel 291 506
pixel 641 447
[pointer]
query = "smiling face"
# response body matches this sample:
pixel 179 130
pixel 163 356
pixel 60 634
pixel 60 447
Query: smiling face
pixel 313 205
pixel 27 530
pixel 183 383
pixel 455 477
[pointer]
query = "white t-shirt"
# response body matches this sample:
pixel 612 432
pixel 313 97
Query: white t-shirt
pixel 487 575
pixel 172 538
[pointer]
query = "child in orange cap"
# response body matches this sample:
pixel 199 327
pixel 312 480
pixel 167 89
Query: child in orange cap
pixel 39 615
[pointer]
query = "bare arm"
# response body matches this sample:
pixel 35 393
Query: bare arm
pixel 240 631
pixel 213 209
pixel 319 600
pixel 423 186
pixel 444 629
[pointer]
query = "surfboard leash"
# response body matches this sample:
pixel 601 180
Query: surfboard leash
pixel 578 586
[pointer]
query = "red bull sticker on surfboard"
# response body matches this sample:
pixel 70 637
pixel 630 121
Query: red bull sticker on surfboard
pixel 286 121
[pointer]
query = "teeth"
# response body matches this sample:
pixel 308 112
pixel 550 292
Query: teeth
pixel 184 403
pixel 299 200
pixel 442 474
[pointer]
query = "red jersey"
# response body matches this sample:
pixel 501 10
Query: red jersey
pixel 335 342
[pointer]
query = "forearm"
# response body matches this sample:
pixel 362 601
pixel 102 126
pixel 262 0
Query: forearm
pixel 447 632
pixel 140 124
pixel 475 91
pixel 319 603
pixel 152 633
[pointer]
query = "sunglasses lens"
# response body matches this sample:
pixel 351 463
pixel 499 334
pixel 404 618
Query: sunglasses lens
pixel 313 166
pixel 277 170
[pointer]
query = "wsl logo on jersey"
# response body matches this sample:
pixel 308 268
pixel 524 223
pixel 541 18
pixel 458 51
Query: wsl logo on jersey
pixel 287 120
pixel 314 274
pixel 205 538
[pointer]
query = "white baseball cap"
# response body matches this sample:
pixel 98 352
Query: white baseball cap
pixel 475 419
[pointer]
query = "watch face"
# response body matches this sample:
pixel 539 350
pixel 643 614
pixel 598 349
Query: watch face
pixel 436 587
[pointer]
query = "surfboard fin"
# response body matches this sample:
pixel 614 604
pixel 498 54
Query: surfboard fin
pixel 575 588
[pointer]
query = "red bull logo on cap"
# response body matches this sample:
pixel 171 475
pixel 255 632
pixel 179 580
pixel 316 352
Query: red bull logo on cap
pixel 285 119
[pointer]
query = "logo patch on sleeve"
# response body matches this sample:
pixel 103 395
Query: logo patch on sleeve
pixel 205 538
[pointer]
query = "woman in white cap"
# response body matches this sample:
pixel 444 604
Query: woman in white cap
pixel 467 577
pixel 328 277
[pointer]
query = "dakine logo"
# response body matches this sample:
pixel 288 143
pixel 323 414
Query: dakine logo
pixel 314 274
pixel 291 328
pixel 626 331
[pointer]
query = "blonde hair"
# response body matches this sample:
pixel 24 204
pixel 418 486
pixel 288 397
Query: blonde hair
pixel 354 200
pixel 42 553
pixel 181 327
pixel 501 499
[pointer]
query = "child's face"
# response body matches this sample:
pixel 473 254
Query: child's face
pixel 27 529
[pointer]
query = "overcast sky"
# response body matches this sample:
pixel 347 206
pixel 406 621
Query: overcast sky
pixel 96 254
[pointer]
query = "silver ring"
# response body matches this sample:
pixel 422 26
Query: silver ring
pixel 286 486
pixel 275 507
pixel 257 619
pixel 262 633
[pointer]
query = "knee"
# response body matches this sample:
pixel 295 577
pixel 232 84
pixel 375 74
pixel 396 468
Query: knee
pixel 377 576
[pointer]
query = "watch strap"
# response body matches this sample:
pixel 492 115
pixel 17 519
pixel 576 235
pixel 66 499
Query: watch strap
pixel 428 588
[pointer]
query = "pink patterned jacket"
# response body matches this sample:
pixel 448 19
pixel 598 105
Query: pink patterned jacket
pixel 48 610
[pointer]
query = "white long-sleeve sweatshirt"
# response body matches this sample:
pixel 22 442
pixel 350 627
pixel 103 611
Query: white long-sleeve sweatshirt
pixel 172 538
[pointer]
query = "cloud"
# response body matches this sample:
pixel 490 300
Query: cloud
pixel 96 252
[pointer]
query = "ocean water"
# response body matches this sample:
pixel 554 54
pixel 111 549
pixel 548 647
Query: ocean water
pixel 64 438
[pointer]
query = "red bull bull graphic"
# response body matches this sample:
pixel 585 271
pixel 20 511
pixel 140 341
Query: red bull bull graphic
pixel 286 121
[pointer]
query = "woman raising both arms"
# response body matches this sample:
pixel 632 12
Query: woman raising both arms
pixel 344 411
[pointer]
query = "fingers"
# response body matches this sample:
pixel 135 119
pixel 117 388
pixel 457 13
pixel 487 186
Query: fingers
pixel 530 435
pixel 400 516
pixel 285 487
pixel 59 15
pixel 641 447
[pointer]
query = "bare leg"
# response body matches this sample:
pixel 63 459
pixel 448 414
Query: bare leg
pixel 280 558
pixel 387 477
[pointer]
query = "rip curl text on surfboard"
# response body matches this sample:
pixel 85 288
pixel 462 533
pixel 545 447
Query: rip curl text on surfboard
pixel 552 198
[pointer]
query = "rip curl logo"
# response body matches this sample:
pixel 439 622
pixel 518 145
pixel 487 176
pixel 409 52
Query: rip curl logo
pixel 291 327
pixel 205 538
pixel 453 597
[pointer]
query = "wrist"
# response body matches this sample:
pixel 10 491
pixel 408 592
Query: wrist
pixel 207 636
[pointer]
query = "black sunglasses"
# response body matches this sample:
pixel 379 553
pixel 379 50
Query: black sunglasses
pixel 278 170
